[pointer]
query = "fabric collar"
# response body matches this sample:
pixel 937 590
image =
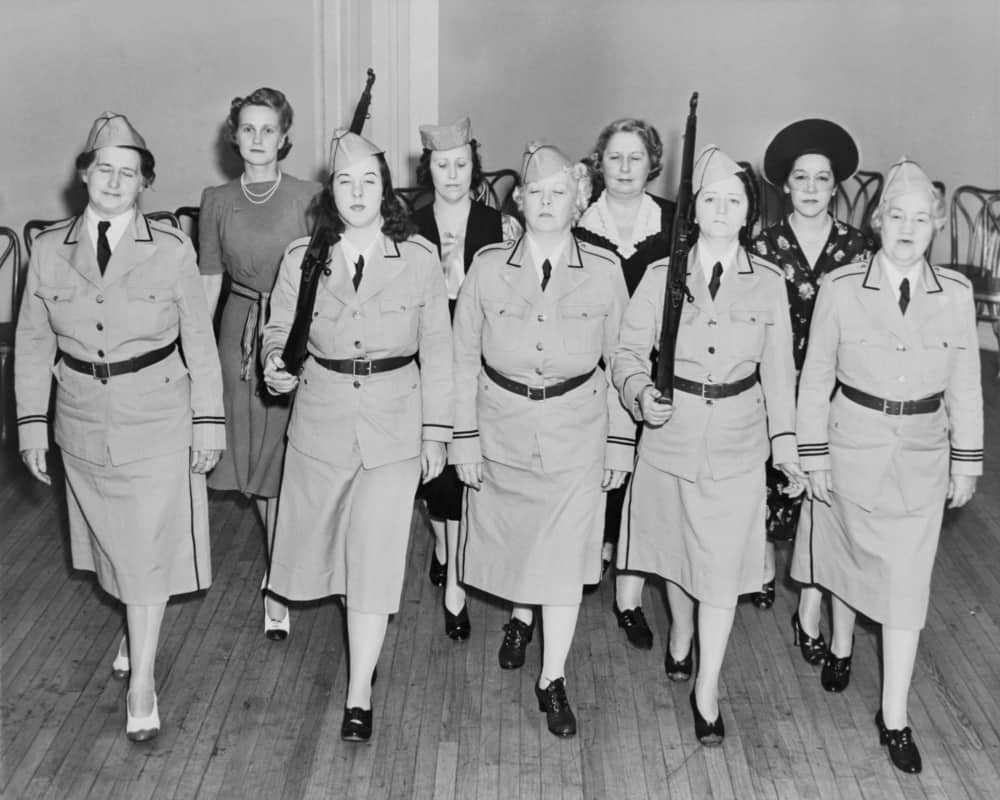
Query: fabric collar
pixel 708 261
pixel 598 219
pixel 118 227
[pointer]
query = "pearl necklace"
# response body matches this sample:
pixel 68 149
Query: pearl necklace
pixel 259 198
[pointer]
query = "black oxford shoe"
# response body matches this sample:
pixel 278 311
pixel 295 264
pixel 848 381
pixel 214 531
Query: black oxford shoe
pixel 516 635
pixel 558 714
pixel 903 750
pixel 636 628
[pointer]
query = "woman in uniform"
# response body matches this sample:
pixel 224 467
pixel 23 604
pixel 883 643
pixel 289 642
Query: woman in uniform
pixel 458 226
pixel 244 227
pixel 114 297
pixel 903 433
pixel 539 433
pixel 807 160
pixel 696 500
pixel 636 225
pixel 367 423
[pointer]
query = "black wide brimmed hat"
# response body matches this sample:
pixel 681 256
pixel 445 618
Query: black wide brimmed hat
pixel 808 136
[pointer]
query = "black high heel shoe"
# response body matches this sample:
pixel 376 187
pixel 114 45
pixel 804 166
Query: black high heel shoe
pixel 457 626
pixel 813 649
pixel 836 673
pixel 357 725
pixel 903 750
pixel 438 573
pixel 709 734
pixel 679 671
pixel 764 599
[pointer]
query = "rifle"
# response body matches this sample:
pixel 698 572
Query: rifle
pixel 680 244
pixel 314 261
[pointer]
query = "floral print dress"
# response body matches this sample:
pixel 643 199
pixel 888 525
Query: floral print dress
pixel 777 244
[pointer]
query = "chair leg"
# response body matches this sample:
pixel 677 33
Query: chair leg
pixel 996 333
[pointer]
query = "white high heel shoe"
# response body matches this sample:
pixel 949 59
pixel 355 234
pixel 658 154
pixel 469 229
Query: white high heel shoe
pixel 141 729
pixel 121 667
pixel 276 630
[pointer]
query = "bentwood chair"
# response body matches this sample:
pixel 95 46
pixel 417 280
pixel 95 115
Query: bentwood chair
pixel 856 198
pixel 187 220
pixel 414 197
pixel 975 248
pixel 10 258
pixel 498 189
pixel 164 216
pixel 31 229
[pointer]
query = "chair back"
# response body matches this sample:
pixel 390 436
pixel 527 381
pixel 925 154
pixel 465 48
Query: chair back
pixel 10 258
pixel 164 216
pixel 414 197
pixel 187 219
pixel 497 190
pixel 975 230
pixel 32 228
pixel 856 198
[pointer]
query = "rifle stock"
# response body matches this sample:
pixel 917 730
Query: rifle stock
pixel 680 243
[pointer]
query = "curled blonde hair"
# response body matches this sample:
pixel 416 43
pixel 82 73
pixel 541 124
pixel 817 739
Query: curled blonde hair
pixel 939 212
pixel 582 181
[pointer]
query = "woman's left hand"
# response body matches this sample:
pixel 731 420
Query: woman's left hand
pixel 960 490
pixel 203 461
pixel 432 460
pixel 796 477
pixel 613 478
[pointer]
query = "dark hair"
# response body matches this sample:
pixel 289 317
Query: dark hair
pixel 647 133
pixel 147 164
pixel 425 181
pixel 269 98
pixel 753 209
pixel 395 219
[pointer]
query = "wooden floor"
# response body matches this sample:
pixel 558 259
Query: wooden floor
pixel 248 718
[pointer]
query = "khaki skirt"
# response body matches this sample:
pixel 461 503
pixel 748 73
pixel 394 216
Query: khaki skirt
pixel 533 537
pixel 142 527
pixel 706 535
pixel 343 531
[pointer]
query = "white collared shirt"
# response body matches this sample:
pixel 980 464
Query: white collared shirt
pixel 894 276
pixel 538 256
pixel 351 254
pixel 708 261
pixel 118 227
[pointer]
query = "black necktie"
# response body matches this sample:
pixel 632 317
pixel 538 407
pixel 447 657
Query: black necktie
pixel 904 294
pixel 358 269
pixel 103 247
pixel 546 273
pixel 713 285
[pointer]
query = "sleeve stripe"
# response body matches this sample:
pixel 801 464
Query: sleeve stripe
pixel 26 420
pixel 783 433
pixel 209 421
pixel 435 425
pixel 625 440
pixel 465 434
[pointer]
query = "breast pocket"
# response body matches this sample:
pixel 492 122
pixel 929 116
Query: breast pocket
pixel 61 309
pixel 749 327
pixel 583 327
pixel 399 318
pixel 939 350
pixel 151 309
pixel 503 324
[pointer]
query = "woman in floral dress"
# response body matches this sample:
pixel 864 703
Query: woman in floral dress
pixel 808 159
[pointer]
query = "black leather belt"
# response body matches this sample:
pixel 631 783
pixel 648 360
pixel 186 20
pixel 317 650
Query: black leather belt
pixel 105 370
pixel 362 366
pixel 715 391
pixel 536 392
pixel 925 405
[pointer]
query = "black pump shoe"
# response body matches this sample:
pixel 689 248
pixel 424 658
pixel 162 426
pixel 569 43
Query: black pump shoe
pixel 357 725
pixel 636 628
pixel 457 626
pixel 903 750
pixel 438 573
pixel 764 599
pixel 679 671
pixel 558 714
pixel 813 649
pixel 709 734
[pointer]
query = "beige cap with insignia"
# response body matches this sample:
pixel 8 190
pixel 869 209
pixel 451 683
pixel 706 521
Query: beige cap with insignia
pixel 347 149
pixel 904 177
pixel 113 130
pixel 542 160
pixel 445 137
pixel 711 166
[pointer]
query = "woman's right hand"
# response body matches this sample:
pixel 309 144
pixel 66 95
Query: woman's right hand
pixel 277 378
pixel 471 474
pixel 34 460
pixel 820 485
pixel 654 410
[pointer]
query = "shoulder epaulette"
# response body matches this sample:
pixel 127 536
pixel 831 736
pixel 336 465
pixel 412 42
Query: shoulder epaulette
pixel 61 225
pixel 952 275
pixel 165 228
pixel 857 269
pixel 508 244
pixel 297 244
pixel 421 242
pixel 758 261
pixel 600 252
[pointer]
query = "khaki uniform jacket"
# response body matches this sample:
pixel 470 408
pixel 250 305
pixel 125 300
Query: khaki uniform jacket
pixel 400 308
pixel 538 339
pixel 746 328
pixel 149 296
pixel 859 338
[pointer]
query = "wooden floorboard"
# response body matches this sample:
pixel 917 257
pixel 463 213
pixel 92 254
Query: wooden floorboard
pixel 246 718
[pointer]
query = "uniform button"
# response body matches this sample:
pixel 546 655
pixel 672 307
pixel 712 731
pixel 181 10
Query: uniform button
pixel 538 370
pixel 100 326
pixel 944 344
pixel 166 380
pixel 100 298
pixel 901 347
pixel 711 349
pixel 315 314
pixel 356 315
pixel 327 272
pixel 541 318
pixel 100 353
pixel 357 344
pixel 708 379
pixel 539 346
pixel 357 384
pixel 104 380
pixel 712 323
pixel 708 402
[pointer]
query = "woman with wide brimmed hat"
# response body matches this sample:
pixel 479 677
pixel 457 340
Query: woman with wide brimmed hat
pixel 243 230
pixel 696 499
pixel 890 428
pixel 539 433
pixel 807 160
pixel 112 298
pixel 367 422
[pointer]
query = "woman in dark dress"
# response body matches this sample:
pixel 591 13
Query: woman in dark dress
pixel 243 229
pixel 807 159
pixel 459 226
pixel 628 220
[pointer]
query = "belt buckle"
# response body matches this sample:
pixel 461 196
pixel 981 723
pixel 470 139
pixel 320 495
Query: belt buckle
pixel 887 407
pixel 367 368
pixel 533 393
pixel 704 390
pixel 101 370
